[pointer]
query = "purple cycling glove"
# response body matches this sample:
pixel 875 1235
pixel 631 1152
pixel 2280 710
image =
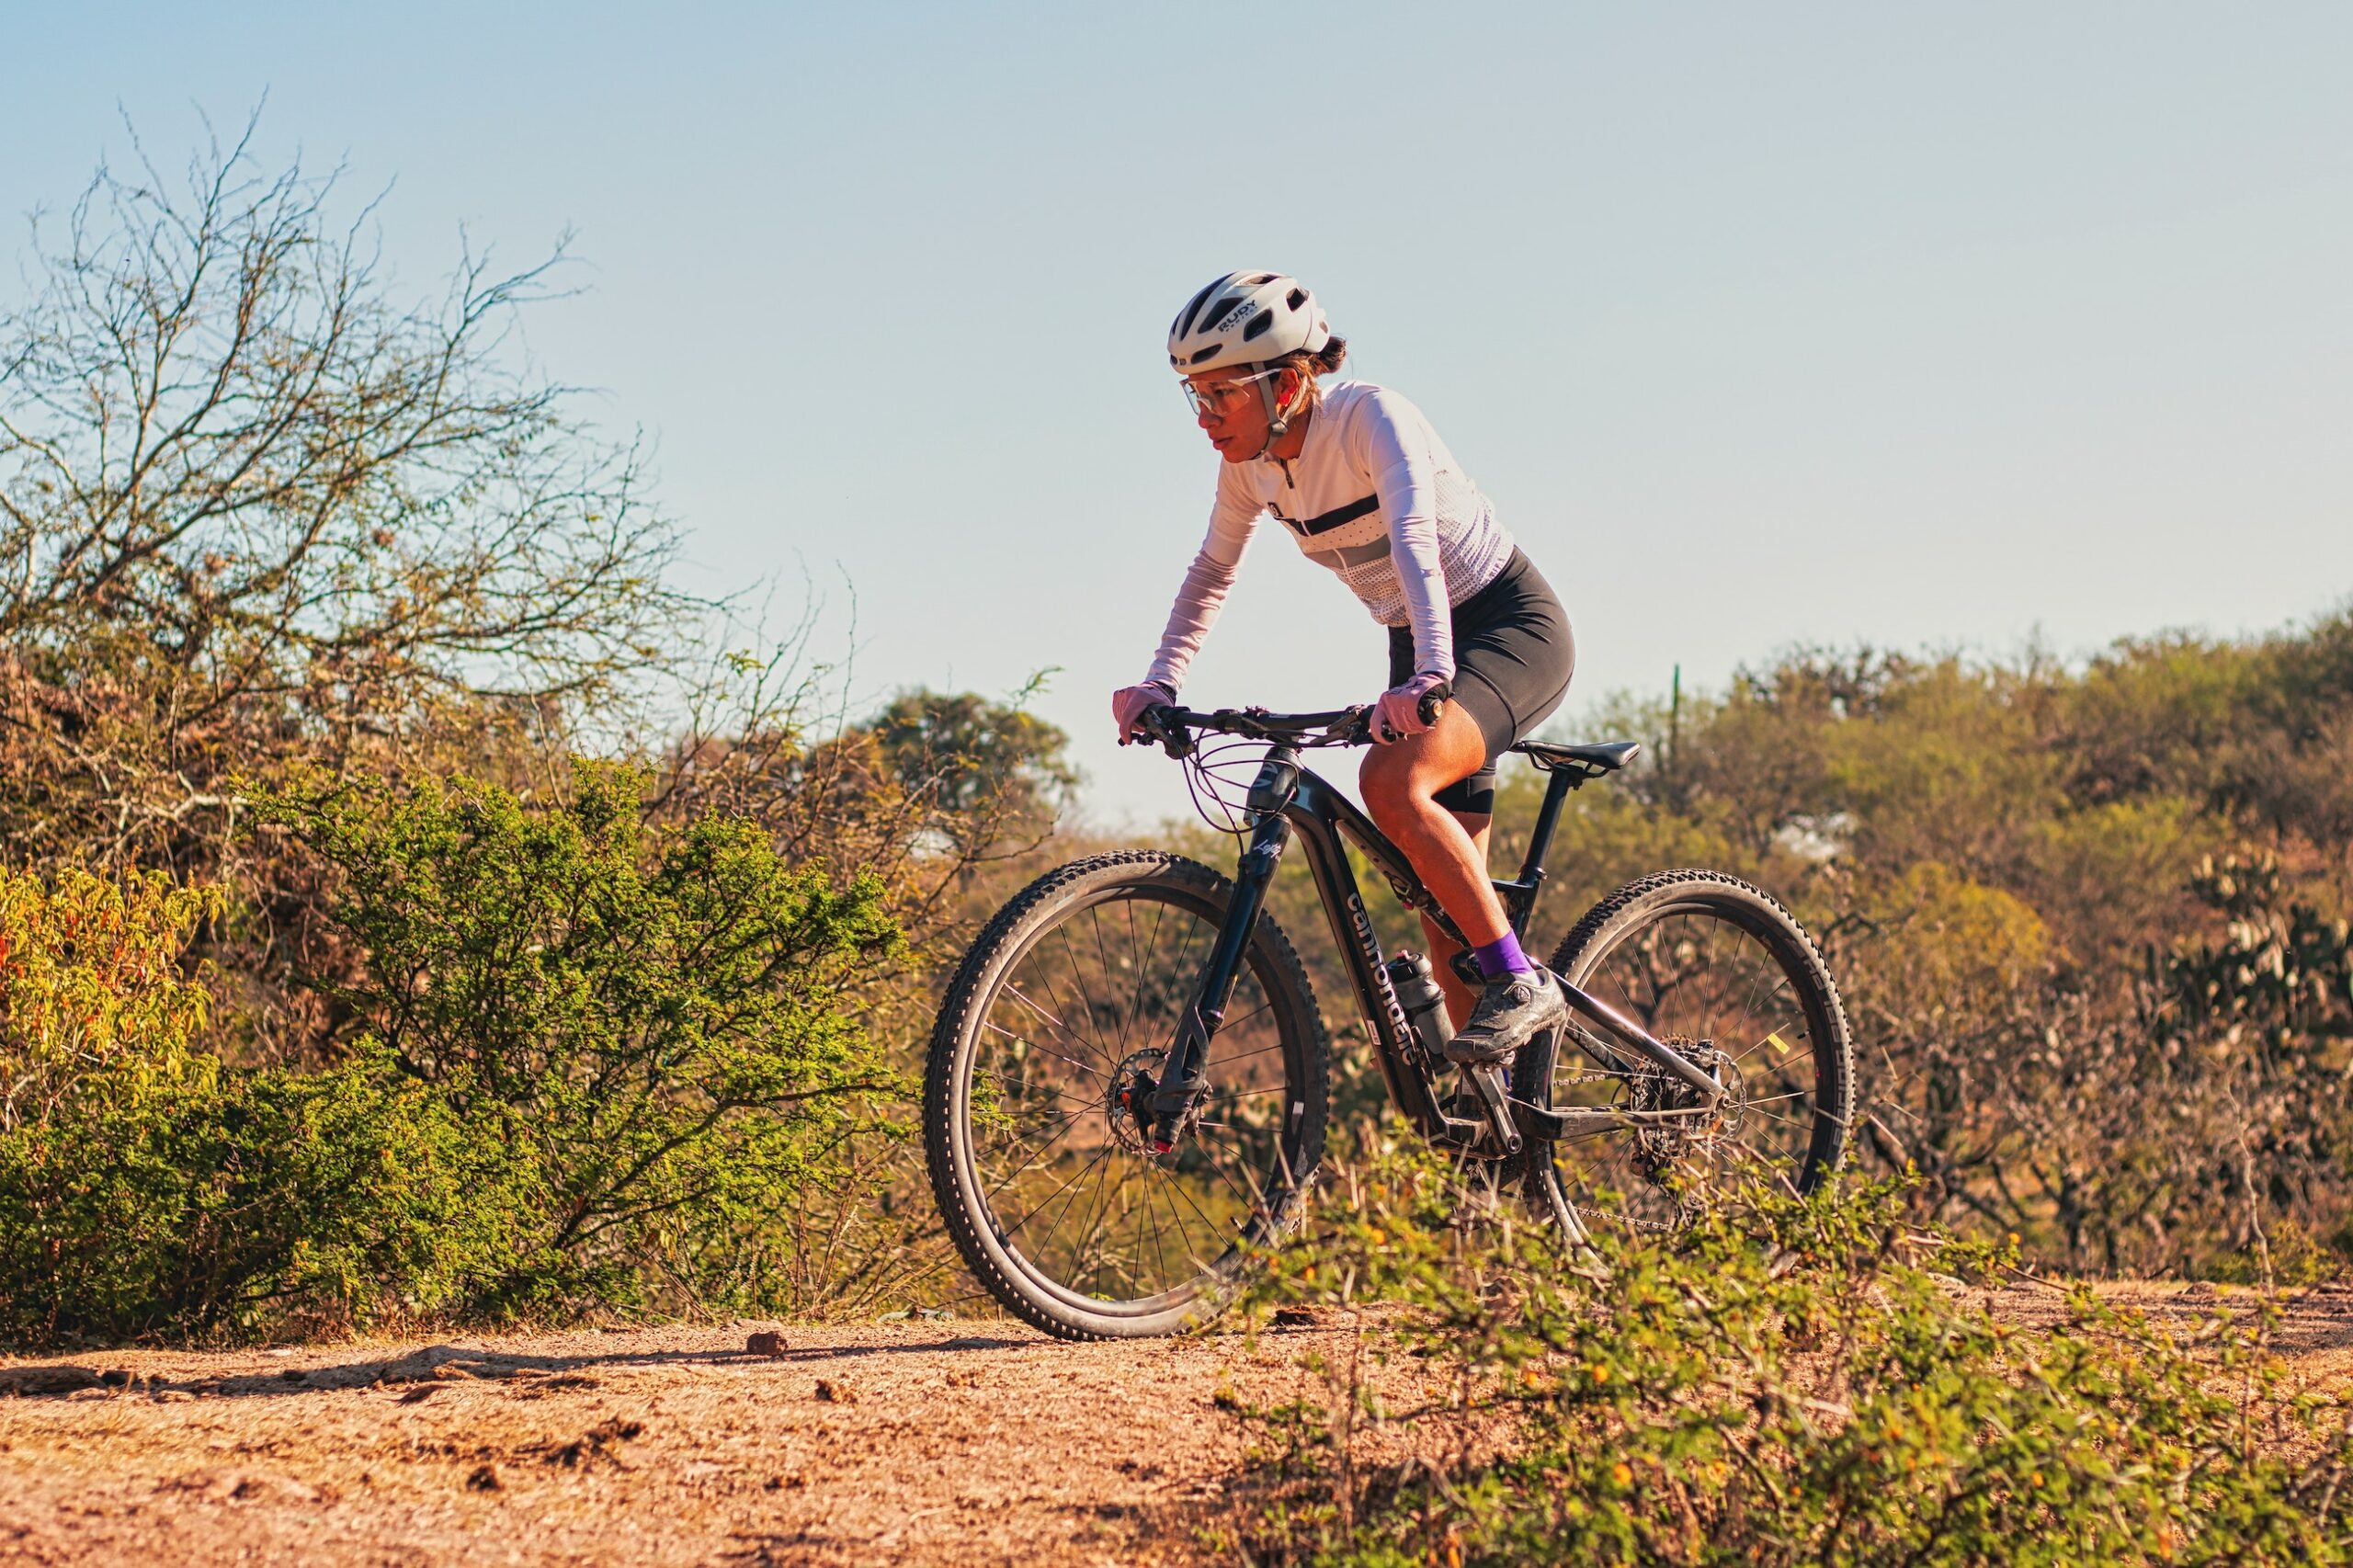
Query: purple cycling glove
pixel 1399 712
pixel 1129 703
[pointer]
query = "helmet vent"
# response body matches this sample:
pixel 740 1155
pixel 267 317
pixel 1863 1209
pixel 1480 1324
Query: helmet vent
pixel 1264 277
pixel 1296 298
pixel 1184 321
pixel 1258 326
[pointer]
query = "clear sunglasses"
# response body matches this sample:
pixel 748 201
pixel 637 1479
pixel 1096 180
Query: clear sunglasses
pixel 1220 397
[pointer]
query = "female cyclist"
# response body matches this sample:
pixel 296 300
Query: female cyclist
pixel 1356 476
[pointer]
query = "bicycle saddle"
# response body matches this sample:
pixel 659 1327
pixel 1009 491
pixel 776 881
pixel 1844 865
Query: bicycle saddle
pixel 1593 761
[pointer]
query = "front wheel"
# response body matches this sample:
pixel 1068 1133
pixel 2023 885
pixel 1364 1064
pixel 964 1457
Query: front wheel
pixel 1721 973
pixel 1052 1037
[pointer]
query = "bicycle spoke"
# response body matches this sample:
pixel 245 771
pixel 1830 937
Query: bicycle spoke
pixel 1095 922
pixel 1045 1242
pixel 1015 992
pixel 1026 1084
pixel 1094 1230
pixel 1208 1224
pixel 1028 1166
pixel 1219 1171
pixel 1053 988
pixel 1015 1229
pixel 1141 968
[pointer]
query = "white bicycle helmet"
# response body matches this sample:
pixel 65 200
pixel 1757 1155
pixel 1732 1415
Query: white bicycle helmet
pixel 1246 318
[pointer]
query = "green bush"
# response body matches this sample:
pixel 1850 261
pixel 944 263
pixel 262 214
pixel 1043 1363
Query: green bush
pixel 144 1189
pixel 588 1066
pixel 1785 1383
pixel 642 1036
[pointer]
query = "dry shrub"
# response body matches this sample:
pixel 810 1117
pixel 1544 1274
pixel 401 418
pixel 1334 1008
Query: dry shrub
pixel 1788 1382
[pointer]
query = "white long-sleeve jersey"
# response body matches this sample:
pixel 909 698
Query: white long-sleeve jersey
pixel 1375 496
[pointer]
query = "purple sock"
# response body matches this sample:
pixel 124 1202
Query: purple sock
pixel 1501 957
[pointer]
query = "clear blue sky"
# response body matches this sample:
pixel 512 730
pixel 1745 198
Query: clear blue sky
pixel 1761 322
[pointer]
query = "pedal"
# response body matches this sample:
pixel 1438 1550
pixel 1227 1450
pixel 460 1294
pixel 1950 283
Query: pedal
pixel 1494 1099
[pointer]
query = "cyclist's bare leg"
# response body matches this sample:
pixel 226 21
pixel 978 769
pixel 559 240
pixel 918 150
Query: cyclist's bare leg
pixel 1441 947
pixel 1400 780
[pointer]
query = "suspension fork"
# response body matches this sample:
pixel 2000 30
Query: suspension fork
pixel 1182 1074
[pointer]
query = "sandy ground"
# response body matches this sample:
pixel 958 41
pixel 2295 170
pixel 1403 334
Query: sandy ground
pixel 960 1442
pixel 966 1442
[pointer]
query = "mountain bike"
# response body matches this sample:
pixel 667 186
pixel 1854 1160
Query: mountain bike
pixel 1129 1080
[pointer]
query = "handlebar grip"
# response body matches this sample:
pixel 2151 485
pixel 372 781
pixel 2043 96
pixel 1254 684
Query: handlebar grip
pixel 1434 702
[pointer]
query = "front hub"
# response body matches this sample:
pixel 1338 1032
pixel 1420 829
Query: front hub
pixel 1128 1105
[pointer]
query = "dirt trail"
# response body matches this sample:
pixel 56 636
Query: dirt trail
pixel 964 1442
pixel 958 1443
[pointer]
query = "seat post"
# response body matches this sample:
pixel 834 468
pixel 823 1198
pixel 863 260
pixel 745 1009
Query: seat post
pixel 1564 767
pixel 1519 895
pixel 1557 786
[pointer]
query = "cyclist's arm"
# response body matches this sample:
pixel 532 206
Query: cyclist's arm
pixel 1393 447
pixel 1232 519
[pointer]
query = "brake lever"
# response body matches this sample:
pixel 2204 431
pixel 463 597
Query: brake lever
pixel 1174 738
pixel 1357 726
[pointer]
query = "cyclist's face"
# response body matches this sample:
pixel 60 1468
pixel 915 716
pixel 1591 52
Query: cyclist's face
pixel 1232 413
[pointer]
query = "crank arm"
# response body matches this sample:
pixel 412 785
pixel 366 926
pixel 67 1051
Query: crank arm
pixel 1494 1099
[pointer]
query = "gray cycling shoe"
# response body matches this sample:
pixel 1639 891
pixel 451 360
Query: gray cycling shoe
pixel 1513 1007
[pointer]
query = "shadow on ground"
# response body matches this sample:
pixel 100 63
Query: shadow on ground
pixel 448 1364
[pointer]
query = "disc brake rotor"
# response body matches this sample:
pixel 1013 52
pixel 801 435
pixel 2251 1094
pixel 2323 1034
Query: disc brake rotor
pixel 1127 1103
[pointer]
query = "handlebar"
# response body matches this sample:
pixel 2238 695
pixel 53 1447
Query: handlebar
pixel 1174 727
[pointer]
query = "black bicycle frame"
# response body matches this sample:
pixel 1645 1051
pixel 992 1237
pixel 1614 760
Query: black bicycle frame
pixel 1287 801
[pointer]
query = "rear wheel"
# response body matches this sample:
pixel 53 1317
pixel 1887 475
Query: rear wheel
pixel 1052 1035
pixel 1719 971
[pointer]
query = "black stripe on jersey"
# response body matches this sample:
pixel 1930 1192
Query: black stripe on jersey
pixel 1332 519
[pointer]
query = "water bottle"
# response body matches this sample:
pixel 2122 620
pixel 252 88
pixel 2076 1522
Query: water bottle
pixel 1418 992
